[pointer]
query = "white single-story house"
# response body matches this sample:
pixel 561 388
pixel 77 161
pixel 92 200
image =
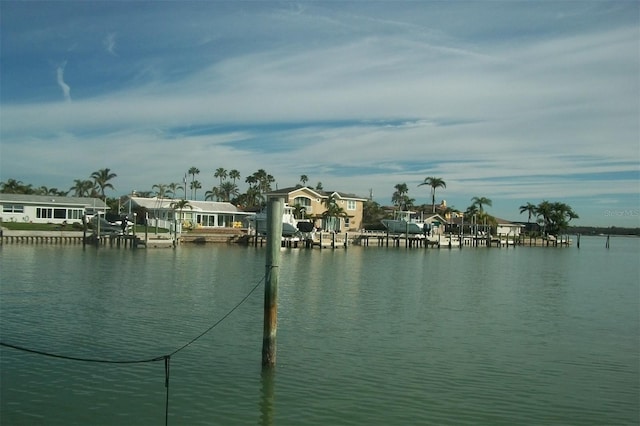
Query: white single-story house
pixel 195 214
pixel 508 229
pixel 48 208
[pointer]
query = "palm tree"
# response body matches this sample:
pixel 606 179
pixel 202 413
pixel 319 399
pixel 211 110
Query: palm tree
pixel 555 217
pixel 480 202
pixel 434 183
pixel 213 193
pixel 400 197
pixel 221 173
pixel 544 211
pixel 172 188
pixel 12 186
pixel 82 188
pixel 101 179
pixel 333 210
pixel 234 175
pixel 195 185
pixel 304 179
pixel 180 205
pixel 227 190
pixel 530 209
pixel 161 190
pixel 193 171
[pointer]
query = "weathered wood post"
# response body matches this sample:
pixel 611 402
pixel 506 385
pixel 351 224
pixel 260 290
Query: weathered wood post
pixel 84 230
pixel 275 208
pixel 134 243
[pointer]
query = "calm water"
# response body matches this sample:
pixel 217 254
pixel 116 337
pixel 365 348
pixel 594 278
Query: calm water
pixel 369 335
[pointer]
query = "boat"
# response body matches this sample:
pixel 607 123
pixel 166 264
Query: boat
pixel 405 222
pixel 101 226
pixel 395 226
pixel 291 227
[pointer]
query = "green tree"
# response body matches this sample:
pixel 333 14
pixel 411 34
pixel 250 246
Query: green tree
pixel 101 179
pixel 179 206
pixel 12 186
pixel 214 193
pixel 221 173
pixel 434 183
pixel 529 208
pixel 161 190
pixel 481 202
pixel 332 213
pixel 173 188
pixel 372 213
pixel 228 190
pixel 304 179
pixel 193 171
pixel 195 185
pixel 82 188
pixel 400 197
pixel 555 217
pixel 234 175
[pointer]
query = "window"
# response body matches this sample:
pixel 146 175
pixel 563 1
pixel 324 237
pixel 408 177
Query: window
pixel 302 201
pixel 351 205
pixel 59 213
pixel 44 213
pixel 12 208
pixel 74 214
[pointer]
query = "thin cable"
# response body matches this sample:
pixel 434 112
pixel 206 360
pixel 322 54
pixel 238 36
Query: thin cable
pixel 136 361
pixel 75 358
pixel 220 320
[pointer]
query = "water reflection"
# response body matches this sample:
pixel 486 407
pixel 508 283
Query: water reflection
pixel 267 396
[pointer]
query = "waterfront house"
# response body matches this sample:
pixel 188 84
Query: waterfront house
pixel 311 203
pixel 162 212
pixel 507 229
pixel 48 208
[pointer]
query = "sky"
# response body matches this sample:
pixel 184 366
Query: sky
pixel 514 101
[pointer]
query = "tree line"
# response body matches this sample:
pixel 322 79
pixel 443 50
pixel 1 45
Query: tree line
pixel 226 189
pixel 551 217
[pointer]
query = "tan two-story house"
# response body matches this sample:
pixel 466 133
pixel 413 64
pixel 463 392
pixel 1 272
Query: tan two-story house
pixel 312 204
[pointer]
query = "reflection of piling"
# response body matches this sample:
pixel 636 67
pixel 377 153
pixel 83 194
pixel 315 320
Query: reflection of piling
pixel 275 208
pixel 607 244
pixel 578 241
pixel 267 397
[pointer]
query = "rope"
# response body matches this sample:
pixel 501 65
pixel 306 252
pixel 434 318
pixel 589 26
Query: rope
pixel 165 358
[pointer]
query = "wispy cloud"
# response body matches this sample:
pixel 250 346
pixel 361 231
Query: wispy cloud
pixel 66 90
pixel 110 43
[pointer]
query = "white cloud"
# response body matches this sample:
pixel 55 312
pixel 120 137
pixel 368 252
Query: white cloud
pixel 66 90
pixel 110 43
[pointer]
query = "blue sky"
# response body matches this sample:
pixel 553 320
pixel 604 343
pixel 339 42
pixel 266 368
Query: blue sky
pixel 515 101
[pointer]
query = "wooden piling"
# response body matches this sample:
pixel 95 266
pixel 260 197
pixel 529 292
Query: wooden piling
pixel 275 208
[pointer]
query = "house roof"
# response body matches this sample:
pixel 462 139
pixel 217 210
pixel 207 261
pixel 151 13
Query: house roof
pixel 52 200
pixel 201 206
pixel 317 192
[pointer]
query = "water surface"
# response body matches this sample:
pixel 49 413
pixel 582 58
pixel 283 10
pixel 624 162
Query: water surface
pixel 367 335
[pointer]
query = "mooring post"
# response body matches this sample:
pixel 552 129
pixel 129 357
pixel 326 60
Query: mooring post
pixel 275 208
